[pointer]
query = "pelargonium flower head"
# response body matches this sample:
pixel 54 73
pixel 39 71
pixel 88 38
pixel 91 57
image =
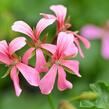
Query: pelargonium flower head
pixel 8 57
pixel 94 32
pixel 62 25
pixel 65 47
pixel 22 27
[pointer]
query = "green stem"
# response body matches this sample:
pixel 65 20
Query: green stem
pixel 74 99
pixel 51 102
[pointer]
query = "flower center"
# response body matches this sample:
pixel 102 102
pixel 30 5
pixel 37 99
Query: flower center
pixel 38 44
pixel 57 62
pixel 15 61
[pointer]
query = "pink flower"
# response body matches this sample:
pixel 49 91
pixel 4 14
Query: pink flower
pixel 21 26
pixel 64 49
pixel 93 32
pixel 60 14
pixel 8 57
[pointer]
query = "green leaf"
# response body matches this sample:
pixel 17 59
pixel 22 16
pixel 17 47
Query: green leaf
pixel 86 104
pixel 102 101
pixel 7 73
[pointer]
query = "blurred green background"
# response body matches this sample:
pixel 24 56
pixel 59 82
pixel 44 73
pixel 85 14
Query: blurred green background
pixel 92 68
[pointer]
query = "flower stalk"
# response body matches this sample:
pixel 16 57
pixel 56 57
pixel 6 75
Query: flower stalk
pixel 50 100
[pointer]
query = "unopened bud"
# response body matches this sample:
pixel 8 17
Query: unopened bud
pixel 86 96
pixel 66 105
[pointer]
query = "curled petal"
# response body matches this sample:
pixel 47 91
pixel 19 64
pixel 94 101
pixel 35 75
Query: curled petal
pixel 15 79
pixel 82 39
pixel 40 61
pixel 29 73
pixel 22 27
pixel 63 84
pixel 105 47
pixel 5 59
pixel 47 82
pixel 91 32
pixel 49 47
pixel 3 47
pixel 79 48
pixel 42 24
pixel 27 55
pixel 17 44
pixel 73 65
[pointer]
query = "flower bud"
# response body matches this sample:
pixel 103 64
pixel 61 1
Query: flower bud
pixel 86 96
pixel 66 105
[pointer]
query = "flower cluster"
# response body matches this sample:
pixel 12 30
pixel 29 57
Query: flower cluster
pixel 60 53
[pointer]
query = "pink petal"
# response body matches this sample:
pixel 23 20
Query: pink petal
pixel 22 27
pixel 71 50
pixel 27 55
pixel 63 84
pixel 72 65
pixel 63 41
pixel 40 61
pixel 47 82
pixel 17 44
pixel 60 12
pixel 3 47
pixel 105 46
pixel 81 38
pixel 79 48
pixel 15 79
pixel 30 74
pixel 84 41
pixel 5 59
pixel 91 32
pixel 48 16
pixel 42 24
pixel 49 47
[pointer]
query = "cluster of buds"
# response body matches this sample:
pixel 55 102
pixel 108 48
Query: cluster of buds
pixel 60 53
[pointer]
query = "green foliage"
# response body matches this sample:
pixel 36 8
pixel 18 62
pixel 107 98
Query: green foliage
pixel 102 101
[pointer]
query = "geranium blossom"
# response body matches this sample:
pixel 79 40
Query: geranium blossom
pixel 52 58
pixel 94 32
pixel 62 25
pixel 65 48
pixel 8 57
pixel 21 26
